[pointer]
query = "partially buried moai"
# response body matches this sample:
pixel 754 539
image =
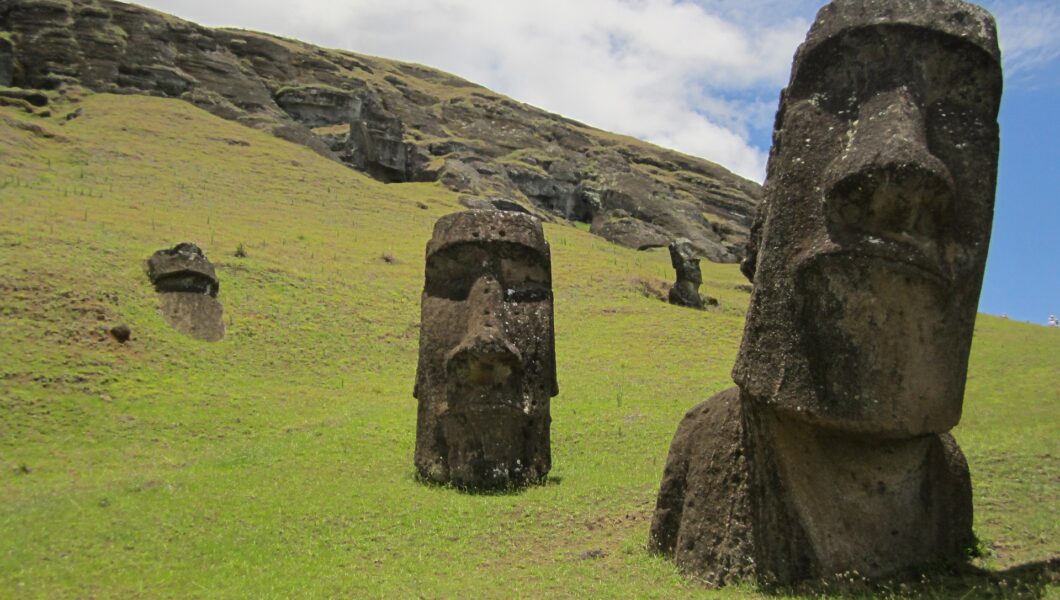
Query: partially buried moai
pixel 487 367
pixel 187 286
pixel 833 454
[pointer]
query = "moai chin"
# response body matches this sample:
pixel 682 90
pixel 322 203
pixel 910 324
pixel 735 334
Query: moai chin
pixel 487 366
pixel 833 454
pixel 685 291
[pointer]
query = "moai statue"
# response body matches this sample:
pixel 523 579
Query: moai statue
pixel 187 286
pixel 487 366
pixel 833 454
pixel 685 291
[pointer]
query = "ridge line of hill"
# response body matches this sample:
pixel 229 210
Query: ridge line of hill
pixel 396 121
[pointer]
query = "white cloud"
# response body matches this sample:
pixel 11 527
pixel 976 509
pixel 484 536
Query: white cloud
pixel 695 75
pixel 1030 35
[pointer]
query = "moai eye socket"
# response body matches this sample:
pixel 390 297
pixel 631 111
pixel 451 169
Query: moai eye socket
pixel 524 274
pixel 452 271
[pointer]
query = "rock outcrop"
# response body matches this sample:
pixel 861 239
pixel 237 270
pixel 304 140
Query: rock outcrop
pixel 833 454
pixel 487 366
pixel 398 122
pixel 187 286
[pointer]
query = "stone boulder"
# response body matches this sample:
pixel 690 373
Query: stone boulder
pixel 619 227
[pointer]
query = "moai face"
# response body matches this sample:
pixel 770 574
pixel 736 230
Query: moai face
pixel 487 365
pixel 874 232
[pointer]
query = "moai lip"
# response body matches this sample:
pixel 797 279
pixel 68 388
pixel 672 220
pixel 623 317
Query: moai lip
pixel 487 366
pixel 187 287
pixel 867 259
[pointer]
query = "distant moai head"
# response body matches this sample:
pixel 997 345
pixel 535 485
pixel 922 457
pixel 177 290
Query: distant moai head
pixel 685 262
pixel 187 286
pixel 183 268
pixel 487 366
pixel 870 246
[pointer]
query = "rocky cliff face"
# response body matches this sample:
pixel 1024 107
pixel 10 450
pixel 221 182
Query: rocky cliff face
pixel 398 122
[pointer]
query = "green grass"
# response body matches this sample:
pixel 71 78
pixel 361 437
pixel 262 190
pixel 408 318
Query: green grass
pixel 278 462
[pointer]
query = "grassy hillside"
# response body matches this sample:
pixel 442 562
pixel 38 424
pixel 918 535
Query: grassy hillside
pixel 278 462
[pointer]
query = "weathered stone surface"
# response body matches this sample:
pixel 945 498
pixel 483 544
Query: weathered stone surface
pixel 867 257
pixel 196 315
pixel 480 203
pixel 377 146
pixel 319 106
pixel 397 122
pixel 183 268
pixel 685 291
pixel 7 62
pixel 621 228
pixel 43 31
pixel 487 366
pixel 31 97
pixel 187 286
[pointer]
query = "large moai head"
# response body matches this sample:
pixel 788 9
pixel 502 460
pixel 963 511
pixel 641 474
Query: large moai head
pixel 871 243
pixel 487 366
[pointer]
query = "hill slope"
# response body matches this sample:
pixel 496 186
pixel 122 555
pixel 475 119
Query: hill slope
pixel 278 462
pixel 395 121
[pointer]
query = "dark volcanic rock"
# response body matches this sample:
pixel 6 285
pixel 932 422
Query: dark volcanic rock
pixel 31 97
pixel 621 228
pixel 479 203
pixel 487 366
pixel 397 122
pixel 187 286
pixel 7 62
pixel 377 146
pixel 121 333
pixel 833 454
pixel 318 106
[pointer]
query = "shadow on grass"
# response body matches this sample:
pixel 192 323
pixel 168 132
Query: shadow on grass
pixel 1031 580
pixel 509 490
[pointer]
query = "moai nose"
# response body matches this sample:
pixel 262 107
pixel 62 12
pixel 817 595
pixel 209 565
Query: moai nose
pixel 887 182
pixel 484 357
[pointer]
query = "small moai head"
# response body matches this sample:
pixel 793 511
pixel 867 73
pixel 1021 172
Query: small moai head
pixel 868 253
pixel 487 365
pixel 187 287
pixel 183 268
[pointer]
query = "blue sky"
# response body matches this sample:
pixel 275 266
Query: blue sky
pixel 700 76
